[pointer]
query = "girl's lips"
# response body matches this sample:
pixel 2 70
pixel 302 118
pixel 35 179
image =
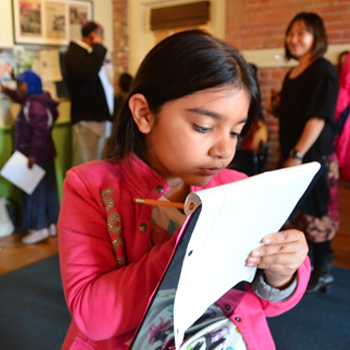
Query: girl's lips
pixel 211 171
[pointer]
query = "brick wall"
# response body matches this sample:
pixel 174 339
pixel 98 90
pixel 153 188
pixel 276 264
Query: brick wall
pixel 261 24
pixel 254 24
pixel 269 79
pixel 120 38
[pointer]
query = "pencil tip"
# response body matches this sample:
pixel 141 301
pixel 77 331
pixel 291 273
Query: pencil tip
pixel 139 200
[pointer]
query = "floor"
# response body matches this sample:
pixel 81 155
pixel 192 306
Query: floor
pixel 14 254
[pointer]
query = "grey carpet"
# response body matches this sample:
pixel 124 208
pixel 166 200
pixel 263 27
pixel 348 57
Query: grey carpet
pixel 318 322
pixel 33 312
pixel 34 316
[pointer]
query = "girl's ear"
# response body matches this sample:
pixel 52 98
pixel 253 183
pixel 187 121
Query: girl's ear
pixel 141 113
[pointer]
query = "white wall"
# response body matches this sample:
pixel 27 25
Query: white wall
pixel 103 14
pixel 6 28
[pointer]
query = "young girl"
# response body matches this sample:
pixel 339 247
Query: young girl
pixel 39 211
pixel 192 98
pixel 307 131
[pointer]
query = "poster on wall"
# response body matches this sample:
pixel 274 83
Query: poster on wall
pixel 79 13
pixel 29 19
pixel 49 22
pixel 7 65
pixel 56 20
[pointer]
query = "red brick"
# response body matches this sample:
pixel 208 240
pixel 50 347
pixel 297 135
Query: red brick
pixel 255 24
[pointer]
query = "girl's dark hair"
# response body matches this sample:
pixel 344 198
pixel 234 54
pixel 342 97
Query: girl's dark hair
pixel 180 65
pixel 315 26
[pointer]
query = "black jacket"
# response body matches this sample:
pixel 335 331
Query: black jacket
pixel 80 70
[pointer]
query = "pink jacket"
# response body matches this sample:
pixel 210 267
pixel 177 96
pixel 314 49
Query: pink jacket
pixel 107 269
pixel 342 142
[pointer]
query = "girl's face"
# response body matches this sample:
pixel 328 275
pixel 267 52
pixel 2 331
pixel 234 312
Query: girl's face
pixel 22 89
pixel 299 40
pixel 194 137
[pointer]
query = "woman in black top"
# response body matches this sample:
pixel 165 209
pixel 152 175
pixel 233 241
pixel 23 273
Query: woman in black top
pixel 306 107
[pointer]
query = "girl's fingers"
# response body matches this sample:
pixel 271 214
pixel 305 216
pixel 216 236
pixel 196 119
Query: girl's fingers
pixel 281 248
pixel 277 262
pixel 284 236
pixel 281 261
pixel 271 249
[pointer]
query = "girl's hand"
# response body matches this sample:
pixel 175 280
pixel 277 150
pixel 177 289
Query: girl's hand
pixel 31 162
pixel 96 39
pixel 280 256
pixel 292 162
pixel 3 88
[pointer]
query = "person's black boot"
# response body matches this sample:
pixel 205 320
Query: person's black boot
pixel 321 277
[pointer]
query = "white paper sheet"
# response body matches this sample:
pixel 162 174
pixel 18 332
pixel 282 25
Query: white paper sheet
pixel 108 88
pixel 234 219
pixel 17 172
pixel 49 65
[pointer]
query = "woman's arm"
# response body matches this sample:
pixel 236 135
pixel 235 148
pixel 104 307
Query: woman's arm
pixel 310 134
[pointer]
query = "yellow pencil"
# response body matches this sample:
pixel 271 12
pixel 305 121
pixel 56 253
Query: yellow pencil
pixel 161 203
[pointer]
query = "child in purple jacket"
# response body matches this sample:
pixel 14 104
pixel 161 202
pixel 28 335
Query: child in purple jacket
pixel 39 211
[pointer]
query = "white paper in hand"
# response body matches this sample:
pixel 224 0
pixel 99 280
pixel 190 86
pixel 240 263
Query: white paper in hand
pixel 233 220
pixel 17 172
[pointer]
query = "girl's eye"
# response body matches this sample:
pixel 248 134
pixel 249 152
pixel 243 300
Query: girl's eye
pixel 236 135
pixel 201 129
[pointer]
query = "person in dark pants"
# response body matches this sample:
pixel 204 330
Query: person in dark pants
pixel 90 92
pixel 306 110
pixel 39 211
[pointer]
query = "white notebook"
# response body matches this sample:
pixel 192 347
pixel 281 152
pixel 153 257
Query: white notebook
pixel 234 219
pixel 17 172
pixel 226 224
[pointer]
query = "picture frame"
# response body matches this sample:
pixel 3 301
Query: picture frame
pixel 78 13
pixel 49 22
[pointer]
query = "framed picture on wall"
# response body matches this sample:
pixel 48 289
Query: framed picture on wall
pixel 56 26
pixel 49 22
pixel 79 13
pixel 28 21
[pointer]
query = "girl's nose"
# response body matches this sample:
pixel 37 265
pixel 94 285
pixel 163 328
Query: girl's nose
pixel 224 148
